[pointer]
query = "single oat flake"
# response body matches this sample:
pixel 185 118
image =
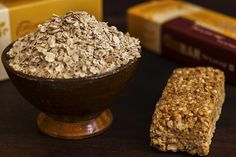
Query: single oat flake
pixel 75 45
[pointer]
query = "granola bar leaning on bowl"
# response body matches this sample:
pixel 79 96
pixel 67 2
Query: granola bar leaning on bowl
pixel 186 114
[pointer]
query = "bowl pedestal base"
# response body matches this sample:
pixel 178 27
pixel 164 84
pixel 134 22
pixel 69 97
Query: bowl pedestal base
pixel 74 130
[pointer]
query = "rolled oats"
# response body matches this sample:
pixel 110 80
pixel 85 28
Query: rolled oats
pixel 75 45
pixel 186 114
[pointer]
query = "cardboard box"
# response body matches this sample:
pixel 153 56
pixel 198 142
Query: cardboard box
pixel 20 17
pixel 186 33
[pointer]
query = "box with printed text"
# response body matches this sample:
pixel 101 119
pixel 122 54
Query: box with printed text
pixel 186 33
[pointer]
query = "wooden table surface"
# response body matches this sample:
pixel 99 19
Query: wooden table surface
pixel 132 111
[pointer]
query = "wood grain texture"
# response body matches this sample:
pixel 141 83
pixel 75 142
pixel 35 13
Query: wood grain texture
pixel 132 111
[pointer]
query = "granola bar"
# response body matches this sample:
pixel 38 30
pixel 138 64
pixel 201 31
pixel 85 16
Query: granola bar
pixel 186 114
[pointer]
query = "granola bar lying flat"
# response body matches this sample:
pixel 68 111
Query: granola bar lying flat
pixel 186 114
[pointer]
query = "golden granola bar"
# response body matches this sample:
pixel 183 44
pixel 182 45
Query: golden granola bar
pixel 186 114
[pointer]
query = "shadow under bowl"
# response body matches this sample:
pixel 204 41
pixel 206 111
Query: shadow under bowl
pixel 71 108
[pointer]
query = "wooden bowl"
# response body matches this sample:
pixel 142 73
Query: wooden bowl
pixel 71 108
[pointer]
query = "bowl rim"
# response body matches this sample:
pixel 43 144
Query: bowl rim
pixel 35 78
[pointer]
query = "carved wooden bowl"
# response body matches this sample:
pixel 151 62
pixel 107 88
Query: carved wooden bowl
pixel 72 108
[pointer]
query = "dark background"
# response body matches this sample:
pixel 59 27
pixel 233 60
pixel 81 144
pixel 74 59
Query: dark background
pixel 132 111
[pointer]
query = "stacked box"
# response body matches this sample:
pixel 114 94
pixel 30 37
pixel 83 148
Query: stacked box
pixel 186 33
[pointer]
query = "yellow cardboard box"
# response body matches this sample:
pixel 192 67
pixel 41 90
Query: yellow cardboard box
pixel 20 17
pixel 186 33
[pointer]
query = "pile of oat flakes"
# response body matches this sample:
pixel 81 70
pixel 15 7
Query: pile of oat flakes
pixel 75 45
